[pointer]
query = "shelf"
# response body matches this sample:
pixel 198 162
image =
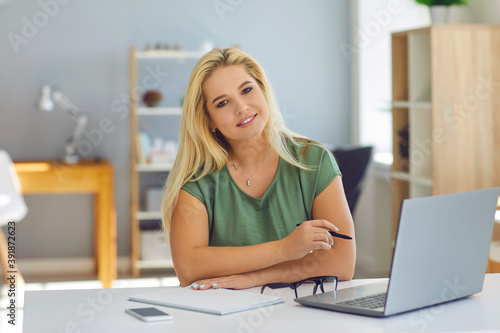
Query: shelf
pixel 408 105
pixel 153 167
pixel 168 54
pixel 159 111
pixel 406 176
pixel 154 264
pixel 148 215
pixel 142 171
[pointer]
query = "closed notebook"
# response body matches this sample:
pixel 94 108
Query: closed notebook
pixel 215 301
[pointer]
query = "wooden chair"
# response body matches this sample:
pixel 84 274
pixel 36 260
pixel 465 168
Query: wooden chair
pixel 12 209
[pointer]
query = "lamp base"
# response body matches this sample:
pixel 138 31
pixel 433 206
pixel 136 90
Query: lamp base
pixel 71 159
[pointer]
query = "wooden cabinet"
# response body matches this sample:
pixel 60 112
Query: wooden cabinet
pixel 446 111
pixel 168 72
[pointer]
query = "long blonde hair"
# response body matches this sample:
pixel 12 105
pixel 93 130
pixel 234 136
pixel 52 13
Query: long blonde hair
pixel 201 151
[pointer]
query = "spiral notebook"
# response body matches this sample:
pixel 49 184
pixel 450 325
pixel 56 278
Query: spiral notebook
pixel 214 301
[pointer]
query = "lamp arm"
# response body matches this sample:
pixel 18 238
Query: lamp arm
pixel 81 120
pixel 65 104
pixel 72 142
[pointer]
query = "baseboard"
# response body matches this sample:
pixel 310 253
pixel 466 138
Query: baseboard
pixel 66 266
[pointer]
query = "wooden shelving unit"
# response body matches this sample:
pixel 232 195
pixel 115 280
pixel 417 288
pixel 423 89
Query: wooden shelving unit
pixel 138 170
pixel 446 94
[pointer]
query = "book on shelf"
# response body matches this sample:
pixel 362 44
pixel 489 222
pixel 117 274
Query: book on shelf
pixel 143 143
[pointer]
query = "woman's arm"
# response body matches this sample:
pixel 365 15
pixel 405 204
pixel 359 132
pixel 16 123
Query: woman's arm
pixel 195 260
pixel 329 205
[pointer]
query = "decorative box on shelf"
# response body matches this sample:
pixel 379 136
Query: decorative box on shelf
pixel 153 199
pixel 154 245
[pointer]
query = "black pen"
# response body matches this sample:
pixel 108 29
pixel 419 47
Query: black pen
pixel 335 234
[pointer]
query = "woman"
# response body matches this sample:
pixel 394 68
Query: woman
pixel 242 182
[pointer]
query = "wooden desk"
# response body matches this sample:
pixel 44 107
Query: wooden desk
pixel 56 177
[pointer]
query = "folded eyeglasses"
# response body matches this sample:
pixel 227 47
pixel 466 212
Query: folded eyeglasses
pixel 318 280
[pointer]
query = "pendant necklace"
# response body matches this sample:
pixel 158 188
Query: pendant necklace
pixel 248 179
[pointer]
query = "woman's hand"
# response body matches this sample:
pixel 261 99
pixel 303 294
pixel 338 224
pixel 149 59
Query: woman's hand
pixel 240 281
pixel 308 237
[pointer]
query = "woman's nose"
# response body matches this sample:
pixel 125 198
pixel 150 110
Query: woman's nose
pixel 241 107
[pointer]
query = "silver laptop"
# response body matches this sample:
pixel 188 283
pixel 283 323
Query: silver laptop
pixel 440 255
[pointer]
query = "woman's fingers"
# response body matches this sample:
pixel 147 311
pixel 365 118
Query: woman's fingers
pixel 204 284
pixel 309 236
pixel 323 236
pixel 324 224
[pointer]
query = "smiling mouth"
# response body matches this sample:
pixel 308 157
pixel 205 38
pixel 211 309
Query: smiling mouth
pixel 246 121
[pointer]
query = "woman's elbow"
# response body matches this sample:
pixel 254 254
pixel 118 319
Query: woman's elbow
pixel 184 274
pixel 185 271
pixel 347 274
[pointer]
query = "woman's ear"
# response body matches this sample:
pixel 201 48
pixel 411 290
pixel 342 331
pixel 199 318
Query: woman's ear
pixel 211 123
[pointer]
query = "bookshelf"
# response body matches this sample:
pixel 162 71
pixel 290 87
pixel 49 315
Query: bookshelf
pixel 446 111
pixel 143 172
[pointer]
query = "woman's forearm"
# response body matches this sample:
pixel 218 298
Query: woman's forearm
pixel 207 261
pixel 338 261
pixel 319 263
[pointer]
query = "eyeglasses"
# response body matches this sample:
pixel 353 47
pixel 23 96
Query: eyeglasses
pixel 318 280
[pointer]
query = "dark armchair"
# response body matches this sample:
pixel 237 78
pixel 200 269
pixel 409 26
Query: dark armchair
pixel 354 163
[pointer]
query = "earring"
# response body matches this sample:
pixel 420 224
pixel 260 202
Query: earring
pixel 213 130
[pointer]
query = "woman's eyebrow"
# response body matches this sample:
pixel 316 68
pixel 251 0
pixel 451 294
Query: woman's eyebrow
pixel 217 98
pixel 222 96
pixel 241 85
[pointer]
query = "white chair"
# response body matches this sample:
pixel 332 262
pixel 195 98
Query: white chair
pixel 12 209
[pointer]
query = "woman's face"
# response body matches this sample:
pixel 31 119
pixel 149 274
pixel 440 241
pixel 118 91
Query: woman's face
pixel 235 103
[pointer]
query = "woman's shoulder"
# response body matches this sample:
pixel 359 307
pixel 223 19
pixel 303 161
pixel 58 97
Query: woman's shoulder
pixel 204 177
pixel 306 150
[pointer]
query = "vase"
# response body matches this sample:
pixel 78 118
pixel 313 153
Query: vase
pixel 439 14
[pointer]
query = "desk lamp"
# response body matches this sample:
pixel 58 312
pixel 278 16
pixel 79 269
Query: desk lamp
pixel 12 206
pixel 46 103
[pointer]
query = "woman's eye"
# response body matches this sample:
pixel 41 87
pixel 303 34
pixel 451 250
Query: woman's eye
pixel 221 104
pixel 247 90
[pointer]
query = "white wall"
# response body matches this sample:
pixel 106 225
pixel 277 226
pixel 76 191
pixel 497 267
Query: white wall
pixel 372 27
pixel 484 11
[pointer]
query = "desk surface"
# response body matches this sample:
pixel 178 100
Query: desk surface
pixel 103 310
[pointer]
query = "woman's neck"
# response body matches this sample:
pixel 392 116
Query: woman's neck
pixel 248 153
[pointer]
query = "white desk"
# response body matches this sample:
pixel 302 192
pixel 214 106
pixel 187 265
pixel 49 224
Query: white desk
pixel 103 310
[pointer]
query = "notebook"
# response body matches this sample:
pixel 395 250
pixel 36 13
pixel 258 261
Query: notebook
pixel 214 301
pixel 440 255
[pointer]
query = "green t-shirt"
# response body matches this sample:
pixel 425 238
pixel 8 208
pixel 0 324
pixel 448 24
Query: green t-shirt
pixel 238 219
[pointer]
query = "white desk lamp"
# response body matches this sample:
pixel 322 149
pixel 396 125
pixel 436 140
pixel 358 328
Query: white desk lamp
pixel 12 205
pixel 46 103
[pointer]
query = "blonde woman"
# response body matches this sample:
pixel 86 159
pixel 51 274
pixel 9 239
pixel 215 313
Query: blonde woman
pixel 242 182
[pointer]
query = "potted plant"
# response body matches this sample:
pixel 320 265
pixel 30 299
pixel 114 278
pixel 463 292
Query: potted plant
pixel 439 8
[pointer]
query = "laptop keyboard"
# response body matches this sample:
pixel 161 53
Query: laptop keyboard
pixel 367 302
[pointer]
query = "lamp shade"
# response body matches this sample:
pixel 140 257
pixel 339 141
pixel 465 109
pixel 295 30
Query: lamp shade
pixel 12 205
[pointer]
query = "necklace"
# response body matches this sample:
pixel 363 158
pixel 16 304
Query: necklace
pixel 248 179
